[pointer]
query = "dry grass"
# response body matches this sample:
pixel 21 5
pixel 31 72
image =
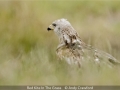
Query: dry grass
pixel 27 50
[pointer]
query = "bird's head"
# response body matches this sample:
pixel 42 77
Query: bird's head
pixel 58 25
pixel 65 32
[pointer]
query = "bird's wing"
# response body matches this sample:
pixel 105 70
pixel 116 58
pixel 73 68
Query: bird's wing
pixel 78 54
pixel 99 56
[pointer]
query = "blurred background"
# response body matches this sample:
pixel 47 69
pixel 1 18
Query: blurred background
pixel 27 49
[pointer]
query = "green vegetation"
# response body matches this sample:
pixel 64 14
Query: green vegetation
pixel 27 49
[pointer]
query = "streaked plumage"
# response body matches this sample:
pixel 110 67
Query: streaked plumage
pixel 73 49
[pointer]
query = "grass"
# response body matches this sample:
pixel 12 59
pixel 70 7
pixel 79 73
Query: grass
pixel 27 49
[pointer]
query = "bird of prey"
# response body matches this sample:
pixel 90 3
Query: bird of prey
pixel 73 49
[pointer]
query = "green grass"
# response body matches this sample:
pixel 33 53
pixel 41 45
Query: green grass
pixel 27 49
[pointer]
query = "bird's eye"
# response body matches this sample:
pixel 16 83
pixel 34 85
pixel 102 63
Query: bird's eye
pixel 54 24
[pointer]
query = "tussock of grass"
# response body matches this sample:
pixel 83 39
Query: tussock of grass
pixel 27 50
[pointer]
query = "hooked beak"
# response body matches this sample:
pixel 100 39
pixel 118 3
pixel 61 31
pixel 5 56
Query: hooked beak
pixel 50 27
